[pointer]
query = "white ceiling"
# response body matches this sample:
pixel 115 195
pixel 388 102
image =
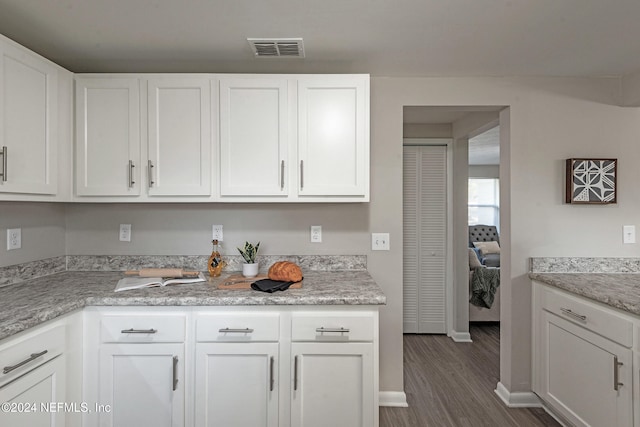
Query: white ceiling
pixel 380 37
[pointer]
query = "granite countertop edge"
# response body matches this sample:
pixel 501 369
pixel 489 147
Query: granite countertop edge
pixel 36 301
pixel 617 290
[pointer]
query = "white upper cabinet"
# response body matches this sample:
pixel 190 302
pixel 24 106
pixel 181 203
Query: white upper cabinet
pixel 303 138
pixel 180 137
pixel 112 162
pixel 254 137
pixel 333 136
pixel 107 136
pixel 28 122
pixel 222 138
pixel 179 140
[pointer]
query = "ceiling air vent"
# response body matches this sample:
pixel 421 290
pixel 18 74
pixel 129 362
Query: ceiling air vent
pixel 277 48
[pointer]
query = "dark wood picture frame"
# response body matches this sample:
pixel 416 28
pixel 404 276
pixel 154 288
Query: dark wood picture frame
pixel 591 181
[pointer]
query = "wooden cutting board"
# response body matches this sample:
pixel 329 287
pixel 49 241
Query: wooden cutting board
pixel 238 281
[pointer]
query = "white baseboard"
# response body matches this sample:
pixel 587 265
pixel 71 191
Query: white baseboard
pixel 460 336
pixel 393 398
pixel 519 399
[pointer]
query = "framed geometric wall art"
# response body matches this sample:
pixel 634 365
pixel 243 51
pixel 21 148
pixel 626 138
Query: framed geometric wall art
pixel 591 181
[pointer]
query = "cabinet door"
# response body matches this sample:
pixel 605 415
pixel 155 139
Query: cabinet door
pixel 33 393
pixel 580 370
pixel 143 384
pixel 332 385
pixel 107 137
pixel 253 137
pixel 179 141
pixel 236 384
pixel 333 136
pixel 28 122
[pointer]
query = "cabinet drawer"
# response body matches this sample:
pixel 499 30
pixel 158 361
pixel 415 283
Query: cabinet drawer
pixel 332 327
pixel 22 356
pixel 142 328
pixel 594 318
pixel 238 327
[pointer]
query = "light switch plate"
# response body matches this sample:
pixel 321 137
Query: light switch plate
pixel 14 238
pixel 125 232
pixel 379 241
pixel 316 234
pixel 628 233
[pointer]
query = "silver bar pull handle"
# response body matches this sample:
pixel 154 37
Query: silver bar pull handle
pixel 282 175
pixel 175 373
pixel 131 181
pixel 31 358
pixel 301 174
pixel 139 331
pixel 3 153
pixel 295 373
pixel 573 314
pixel 271 379
pixel 616 373
pixel 236 331
pixel 150 173
pixel 336 330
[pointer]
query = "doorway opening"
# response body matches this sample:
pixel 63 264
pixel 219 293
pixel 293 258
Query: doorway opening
pixel 484 226
pixel 440 269
pixel 429 126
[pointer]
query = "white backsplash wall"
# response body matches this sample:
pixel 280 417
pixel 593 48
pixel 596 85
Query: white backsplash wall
pixel 185 229
pixel 43 231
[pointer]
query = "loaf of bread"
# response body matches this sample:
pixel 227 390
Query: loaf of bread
pixel 285 271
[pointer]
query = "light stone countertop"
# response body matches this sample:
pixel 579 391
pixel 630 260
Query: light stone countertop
pixel 618 290
pixel 35 301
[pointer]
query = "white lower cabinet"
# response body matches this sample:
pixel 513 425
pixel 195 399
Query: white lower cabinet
pixel 583 360
pixel 281 366
pixel 236 384
pixel 332 385
pixel 588 377
pixel 37 382
pixel 32 400
pixel 134 367
pixel 140 384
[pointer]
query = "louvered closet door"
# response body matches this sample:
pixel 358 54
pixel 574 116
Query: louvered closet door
pixel 425 238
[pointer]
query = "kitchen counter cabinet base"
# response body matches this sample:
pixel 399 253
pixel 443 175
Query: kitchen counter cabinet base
pixel 579 370
pixel 230 378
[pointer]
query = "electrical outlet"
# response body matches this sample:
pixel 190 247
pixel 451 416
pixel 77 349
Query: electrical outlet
pixel 125 232
pixel 14 238
pixel 216 232
pixel 316 234
pixel 628 233
pixel 379 241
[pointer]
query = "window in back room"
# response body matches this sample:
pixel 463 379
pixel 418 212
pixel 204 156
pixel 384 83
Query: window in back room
pixel 484 201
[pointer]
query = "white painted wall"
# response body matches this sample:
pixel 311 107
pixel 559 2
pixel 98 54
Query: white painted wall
pixel 168 229
pixel 43 231
pixel 427 130
pixel 551 119
pixel 630 90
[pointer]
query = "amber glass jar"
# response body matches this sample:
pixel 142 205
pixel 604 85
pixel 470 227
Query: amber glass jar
pixel 216 264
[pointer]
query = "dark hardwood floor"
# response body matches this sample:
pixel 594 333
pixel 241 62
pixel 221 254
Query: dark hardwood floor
pixel 452 384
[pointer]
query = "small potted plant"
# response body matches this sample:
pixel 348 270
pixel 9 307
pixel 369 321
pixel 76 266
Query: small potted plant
pixel 249 253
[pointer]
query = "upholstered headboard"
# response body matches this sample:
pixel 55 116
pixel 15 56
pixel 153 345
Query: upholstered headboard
pixel 483 233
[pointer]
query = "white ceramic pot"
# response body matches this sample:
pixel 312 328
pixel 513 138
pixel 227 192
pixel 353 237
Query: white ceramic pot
pixel 250 270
